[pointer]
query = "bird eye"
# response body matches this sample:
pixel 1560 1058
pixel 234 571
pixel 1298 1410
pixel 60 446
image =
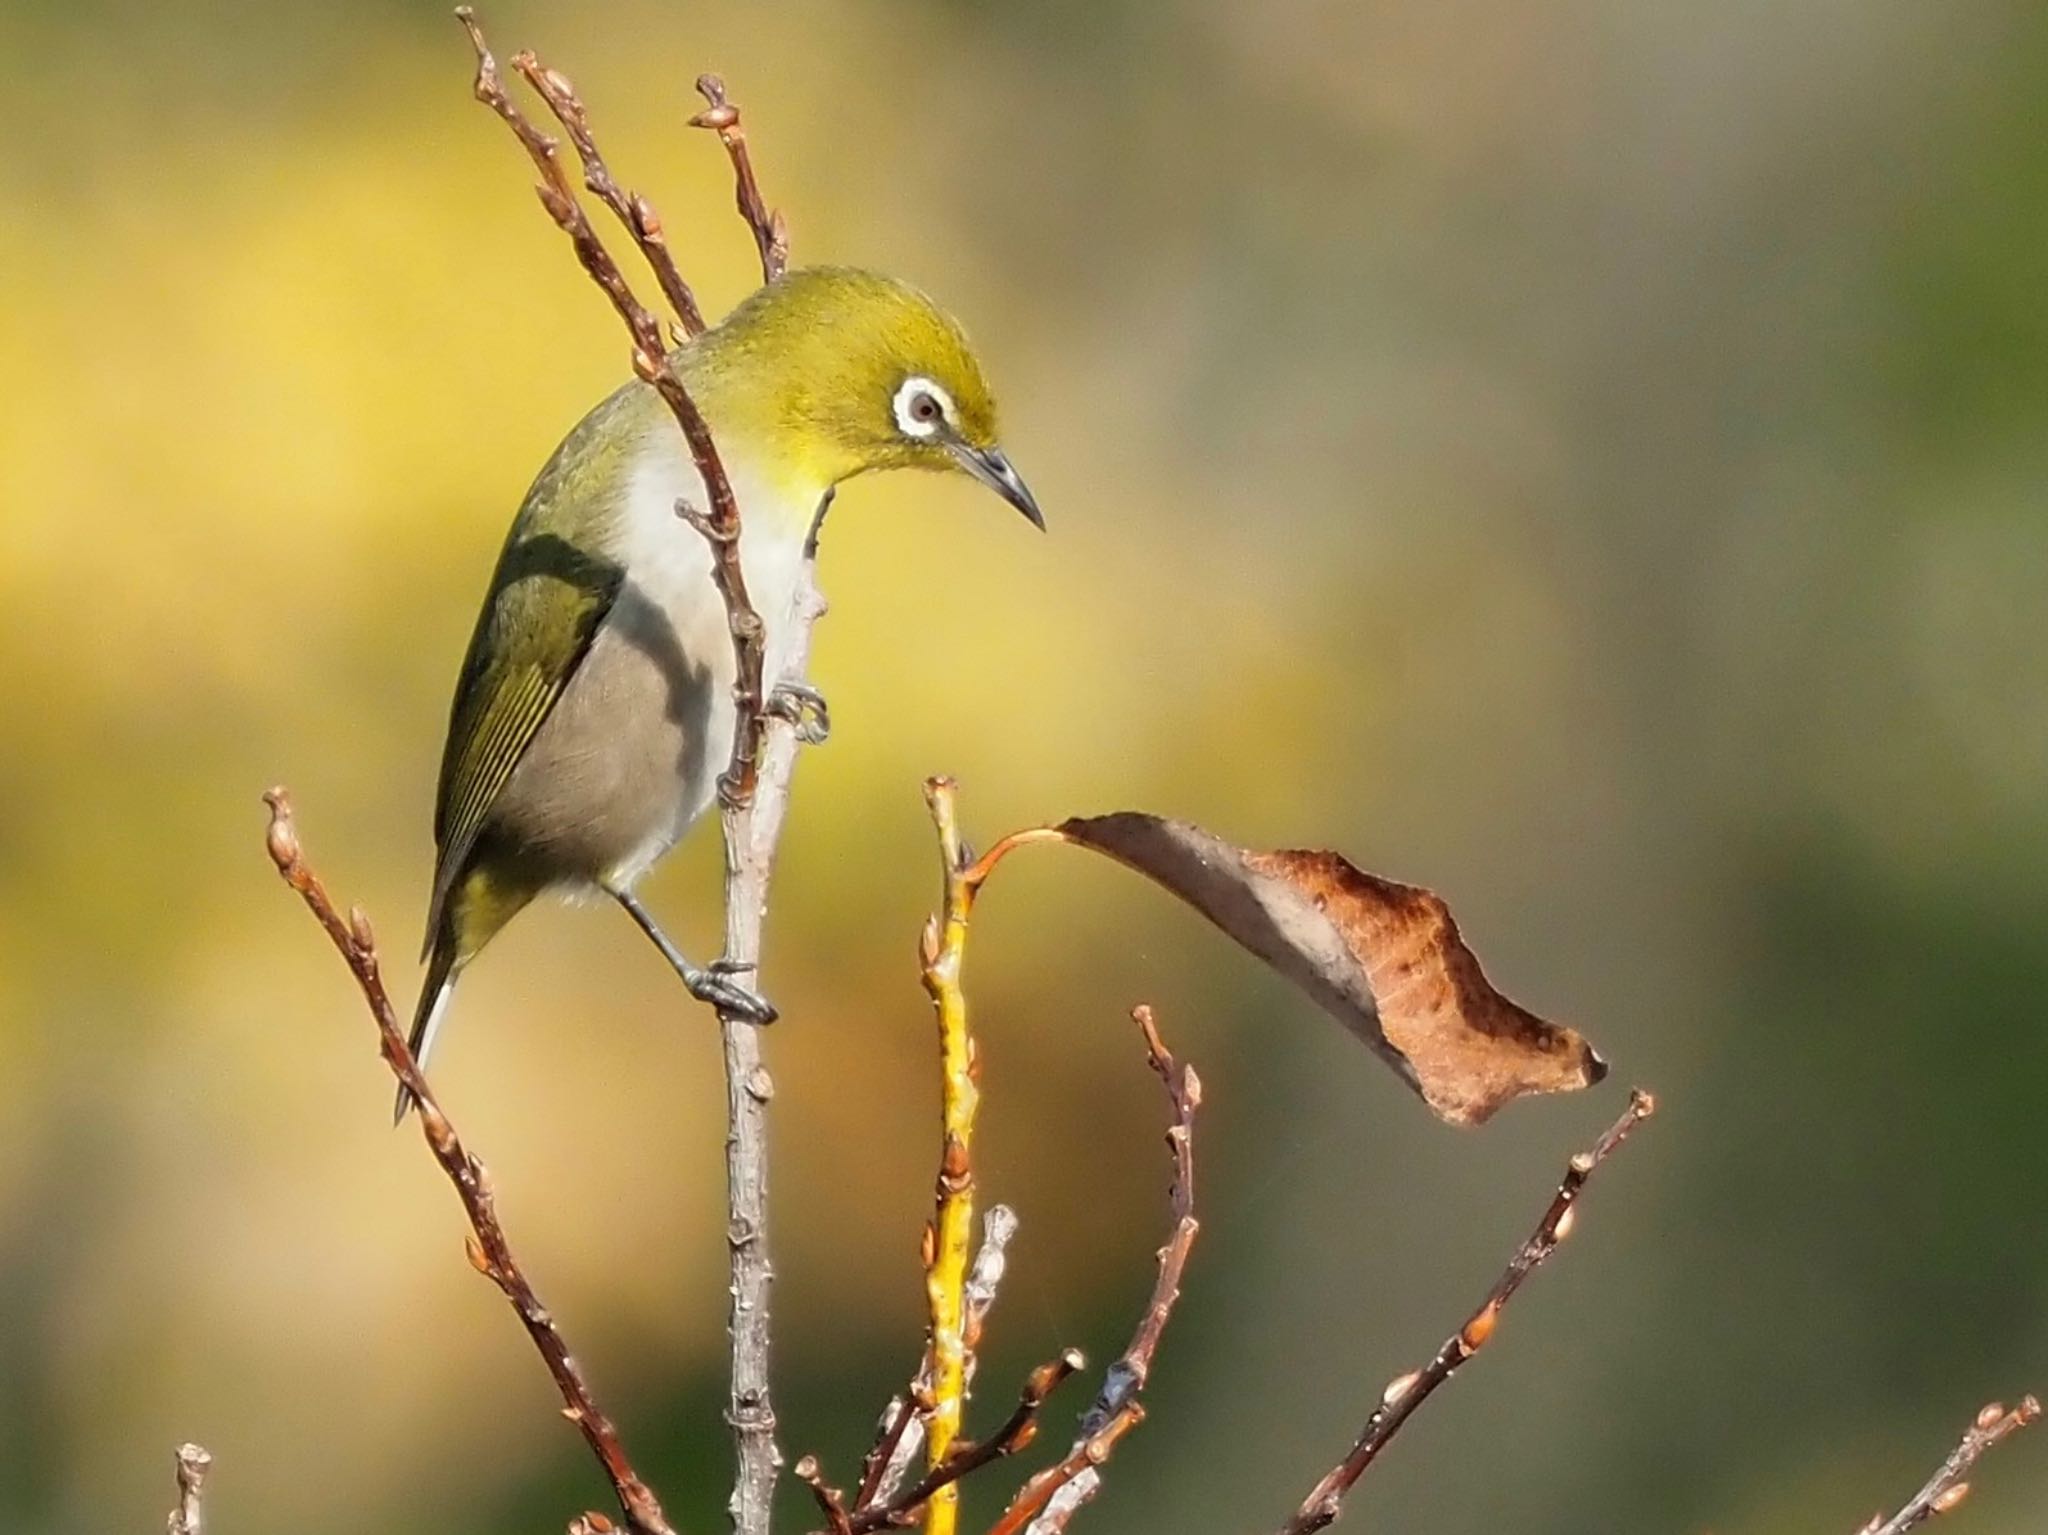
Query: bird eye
pixel 922 407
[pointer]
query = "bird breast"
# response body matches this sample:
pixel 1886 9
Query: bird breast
pixel 631 753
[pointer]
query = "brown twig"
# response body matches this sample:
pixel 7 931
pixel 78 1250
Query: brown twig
pixel 830 1499
pixel 986 865
pixel 1406 1393
pixel 899 1434
pixel 558 195
pixel 966 1456
pixel 721 525
pixel 1947 1487
pixel 754 788
pixel 489 1250
pixel 1128 1375
pixel 633 210
pixel 882 1468
pixel 193 1463
pixel 1086 1457
pixel 771 235
pixel 1052 1498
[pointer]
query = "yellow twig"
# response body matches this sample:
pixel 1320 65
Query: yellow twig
pixel 950 1235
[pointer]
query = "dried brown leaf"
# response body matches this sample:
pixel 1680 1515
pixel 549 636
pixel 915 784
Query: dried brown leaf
pixel 1385 959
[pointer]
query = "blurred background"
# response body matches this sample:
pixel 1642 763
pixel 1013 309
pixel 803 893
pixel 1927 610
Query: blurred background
pixel 1589 463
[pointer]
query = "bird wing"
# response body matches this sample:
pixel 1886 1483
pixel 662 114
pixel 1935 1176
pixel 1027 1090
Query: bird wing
pixel 548 599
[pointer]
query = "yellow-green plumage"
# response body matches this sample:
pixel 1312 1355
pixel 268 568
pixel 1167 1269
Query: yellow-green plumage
pixel 592 714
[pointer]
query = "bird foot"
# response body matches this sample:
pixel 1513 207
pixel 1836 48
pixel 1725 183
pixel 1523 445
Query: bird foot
pixel 804 707
pixel 713 985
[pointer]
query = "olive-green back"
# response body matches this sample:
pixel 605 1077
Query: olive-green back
pixel 550 592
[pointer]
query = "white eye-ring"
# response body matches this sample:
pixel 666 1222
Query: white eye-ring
pixel 922 407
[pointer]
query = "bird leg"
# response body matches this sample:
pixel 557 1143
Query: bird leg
pixel 804 707
pixel 706 983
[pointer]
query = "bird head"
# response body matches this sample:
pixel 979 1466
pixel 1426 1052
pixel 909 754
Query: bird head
pixel 839 371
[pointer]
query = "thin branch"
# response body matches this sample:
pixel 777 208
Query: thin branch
pixel 1086 1457
pixel 490 1252
pixel 1408 1392
pixel 771 235
pixel 830 1499
pixel 1052 1498
pixel 633 210
pixel 968 1456
pixel 978 875
pixel 1127 1377
pixel 1947 1487
pixel 651 362
pixel 899 1435
pixel 948 1237
pixel 193 1463
pixel 752 828
pixel 558 195
pixel 755 786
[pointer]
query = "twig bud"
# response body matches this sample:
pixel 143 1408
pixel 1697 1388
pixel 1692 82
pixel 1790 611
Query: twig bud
pixel 1950 1498
pixel 282 839
pixel 1480 1328
pixel 1565 1222
pixel 1399 1387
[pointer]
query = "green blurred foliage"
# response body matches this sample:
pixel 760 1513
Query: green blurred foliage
pixel 1591 463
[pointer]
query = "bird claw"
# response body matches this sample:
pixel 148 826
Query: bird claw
pixel 804 707
pixel 711 985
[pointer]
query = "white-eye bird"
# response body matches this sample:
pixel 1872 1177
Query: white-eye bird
pixel 594 711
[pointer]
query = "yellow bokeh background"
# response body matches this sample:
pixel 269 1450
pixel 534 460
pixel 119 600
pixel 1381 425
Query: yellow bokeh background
pixel 1588 462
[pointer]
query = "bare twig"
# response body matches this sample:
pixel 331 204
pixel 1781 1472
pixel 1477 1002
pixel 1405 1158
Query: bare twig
pixel 968 1456
pixel 771 236
pixel 943 952
pixel 489 1250
pixel 1005 845
pixel 830 1499
pixel 633 210
pixel 1406 1393
pixel 754 789
pixel 752 829
pixel 1036 1497
pixel 899 1435
pixel 193 1463
pixel 1053 1497
pixel 721 525
pixel 558 195
pixel 1947 1487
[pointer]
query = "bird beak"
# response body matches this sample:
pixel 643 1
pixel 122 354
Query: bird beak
pixel 993 469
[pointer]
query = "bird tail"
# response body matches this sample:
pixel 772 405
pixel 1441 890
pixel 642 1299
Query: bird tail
pixel 435 996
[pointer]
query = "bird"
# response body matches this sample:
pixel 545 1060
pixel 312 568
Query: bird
pixel 593 715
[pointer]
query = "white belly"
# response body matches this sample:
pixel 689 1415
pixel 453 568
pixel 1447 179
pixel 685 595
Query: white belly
pixel 671 618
